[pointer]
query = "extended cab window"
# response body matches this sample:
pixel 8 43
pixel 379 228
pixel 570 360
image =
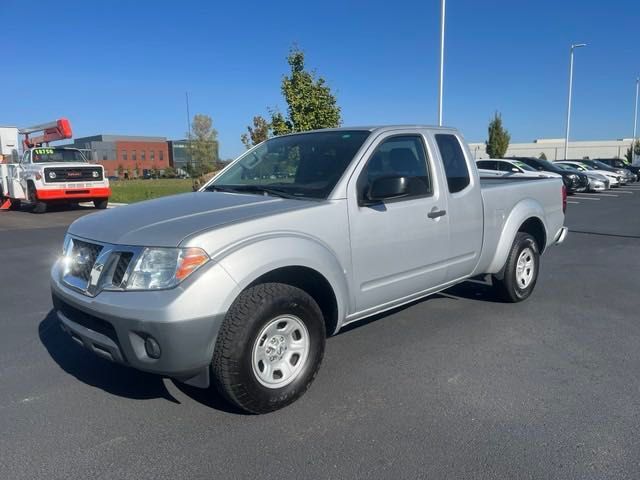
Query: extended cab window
pixel 401 156
pixel 455 165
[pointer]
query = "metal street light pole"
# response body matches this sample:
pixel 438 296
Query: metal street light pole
pixel 442 13
pixel 635 123
pixel 566 136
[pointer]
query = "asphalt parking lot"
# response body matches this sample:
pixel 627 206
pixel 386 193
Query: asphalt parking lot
pixel 456 386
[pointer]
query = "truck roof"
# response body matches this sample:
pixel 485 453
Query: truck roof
pixel 380 128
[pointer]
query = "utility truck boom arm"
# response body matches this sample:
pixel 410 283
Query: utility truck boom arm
pixel 52 131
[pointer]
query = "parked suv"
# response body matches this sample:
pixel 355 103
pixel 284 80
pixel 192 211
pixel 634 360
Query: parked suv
pixel 574 181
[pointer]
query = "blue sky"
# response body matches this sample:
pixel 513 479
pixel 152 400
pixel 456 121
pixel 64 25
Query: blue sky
pixel 123 66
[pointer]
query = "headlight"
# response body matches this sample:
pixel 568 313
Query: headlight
pixel 95 174
pixel 573 176
pixel 165 267
pixel 52 175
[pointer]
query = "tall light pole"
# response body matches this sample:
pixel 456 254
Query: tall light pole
pixel 442 13
pixel 566 136
pixel 635 123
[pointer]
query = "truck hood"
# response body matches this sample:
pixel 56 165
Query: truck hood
pixel 167 221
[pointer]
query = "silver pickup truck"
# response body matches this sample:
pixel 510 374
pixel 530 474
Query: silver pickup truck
pixel 239 284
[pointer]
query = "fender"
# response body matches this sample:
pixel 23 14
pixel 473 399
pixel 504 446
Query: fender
pixel 251 258
pixel 524 210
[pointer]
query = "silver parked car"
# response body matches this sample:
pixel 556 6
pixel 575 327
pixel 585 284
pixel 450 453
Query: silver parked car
pixel 240 282
pixel 597 182
pixel 613 177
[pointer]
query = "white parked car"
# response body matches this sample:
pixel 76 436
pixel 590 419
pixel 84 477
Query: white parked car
pixel 503 167
pixel 613 177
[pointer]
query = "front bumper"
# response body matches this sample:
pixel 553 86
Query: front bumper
pixel 561 235
pixel 184 321
pixel 74 194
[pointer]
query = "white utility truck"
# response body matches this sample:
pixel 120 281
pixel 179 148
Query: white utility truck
pixel 45 175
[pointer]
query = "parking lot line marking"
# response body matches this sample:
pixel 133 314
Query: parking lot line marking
pixel 605 195
pixel 576 203
pixel 624 191
pixel 585 198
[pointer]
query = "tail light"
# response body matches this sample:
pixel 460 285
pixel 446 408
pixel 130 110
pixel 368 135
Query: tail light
pixel 564 199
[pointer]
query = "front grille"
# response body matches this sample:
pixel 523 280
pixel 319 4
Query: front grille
pixel 86 320
pixel 72 174
pixel 83 257
pixel 121 268
pixel 92 267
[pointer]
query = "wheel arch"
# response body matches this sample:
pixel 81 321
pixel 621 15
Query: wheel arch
pixel 295 261
pixel 527 216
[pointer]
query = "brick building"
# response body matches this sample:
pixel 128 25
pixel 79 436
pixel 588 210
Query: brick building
pixel 125 155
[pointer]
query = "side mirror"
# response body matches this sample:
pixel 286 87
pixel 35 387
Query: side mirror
pixel 386 188
pixel 515 170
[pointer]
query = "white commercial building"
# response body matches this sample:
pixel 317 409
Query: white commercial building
pixel 553 149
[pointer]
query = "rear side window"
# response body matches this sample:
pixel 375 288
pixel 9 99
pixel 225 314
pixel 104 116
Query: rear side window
pixel 455 165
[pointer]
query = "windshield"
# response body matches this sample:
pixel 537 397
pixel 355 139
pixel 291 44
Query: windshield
pixel 302 165
pixel 574 166
pixel 51 155
pixel 601 165
pixel 548 166
pixel 564 166
pixel 523 166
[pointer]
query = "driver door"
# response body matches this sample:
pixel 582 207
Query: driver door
pixel 399 246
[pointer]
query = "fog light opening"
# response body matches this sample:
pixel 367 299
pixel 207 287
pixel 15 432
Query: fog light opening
pixel 152 347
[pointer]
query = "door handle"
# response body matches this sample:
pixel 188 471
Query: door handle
pixel 435 213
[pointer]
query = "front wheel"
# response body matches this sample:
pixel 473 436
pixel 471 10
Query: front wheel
pixel 101 204
pixel 269 347
pixel 521 270
pixel 38 206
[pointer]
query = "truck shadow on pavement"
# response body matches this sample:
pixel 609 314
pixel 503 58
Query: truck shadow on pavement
pixel 114 378
pixel 131 383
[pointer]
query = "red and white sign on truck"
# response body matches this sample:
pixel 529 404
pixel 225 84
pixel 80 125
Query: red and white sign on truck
pixel 45 174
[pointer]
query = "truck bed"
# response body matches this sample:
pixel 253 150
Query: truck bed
pixel 502 195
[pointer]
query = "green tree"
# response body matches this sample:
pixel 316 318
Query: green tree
pixel 636 149
pixel 170 172
pixel 542 156
pixel 203 142
pixel 499 138
pixel 260 131
pixel 310 102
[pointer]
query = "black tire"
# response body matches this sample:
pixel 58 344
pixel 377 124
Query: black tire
pixel 15 204
pixel 509 286
pixel 38 206
pixel 101 204
pixel 233 365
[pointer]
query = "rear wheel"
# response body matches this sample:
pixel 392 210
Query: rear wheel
pixel 269 347
pixel 521 270
pixel 101 204
pixel 38 206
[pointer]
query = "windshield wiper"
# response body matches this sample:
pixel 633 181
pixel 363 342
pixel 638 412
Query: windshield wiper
pixel 276 192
